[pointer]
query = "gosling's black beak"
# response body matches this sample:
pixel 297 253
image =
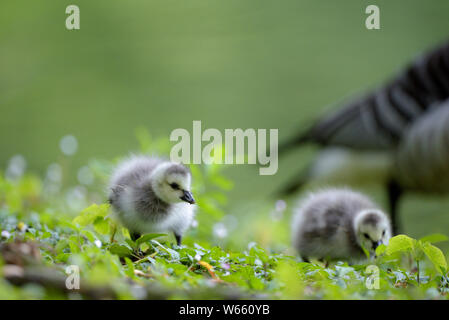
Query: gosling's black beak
pixel 376 244
pixel 188 197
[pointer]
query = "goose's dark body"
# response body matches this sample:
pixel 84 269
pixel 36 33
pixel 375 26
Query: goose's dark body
pixel 379 119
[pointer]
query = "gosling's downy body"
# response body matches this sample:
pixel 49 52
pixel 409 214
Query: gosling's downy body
pixel 150 194
pixel 336 223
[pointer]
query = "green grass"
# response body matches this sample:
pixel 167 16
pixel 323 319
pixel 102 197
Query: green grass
pixel 43 233
pixel 162 64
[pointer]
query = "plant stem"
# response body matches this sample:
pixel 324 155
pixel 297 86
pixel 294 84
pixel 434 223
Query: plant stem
pixel 417 271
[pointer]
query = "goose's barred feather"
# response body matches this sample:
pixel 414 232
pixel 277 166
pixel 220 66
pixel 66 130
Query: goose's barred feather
pixel 378 120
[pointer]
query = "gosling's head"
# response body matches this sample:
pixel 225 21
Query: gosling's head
pixel 372 229
pixel 171 183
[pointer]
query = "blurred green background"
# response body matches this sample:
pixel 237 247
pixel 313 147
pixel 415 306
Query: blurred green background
pixel 230 63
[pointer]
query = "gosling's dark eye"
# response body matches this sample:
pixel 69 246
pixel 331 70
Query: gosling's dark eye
pixel 383 233
pixel 366 236
pixel 174 186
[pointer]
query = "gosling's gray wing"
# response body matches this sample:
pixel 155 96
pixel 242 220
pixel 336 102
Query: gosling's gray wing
pixel 325 215
pixel 130 173
pixel 134 170
pixel 147 204
pixel 329 234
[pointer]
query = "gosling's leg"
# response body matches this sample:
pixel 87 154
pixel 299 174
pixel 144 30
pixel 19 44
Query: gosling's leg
pixel 394 194
pixel 114 231
pixel 178 239
pixel 135 236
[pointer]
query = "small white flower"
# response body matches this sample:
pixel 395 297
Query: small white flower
pixel 54 173
pixel 251 244
pixel 97 243
pixel 16 167
pixel 85 176
pixel 280 205
pixel 6 234
pixel 225 266
pixel 278 213
pixel 76 198
pixel 68 145
pixel 22 226
pixel 220 230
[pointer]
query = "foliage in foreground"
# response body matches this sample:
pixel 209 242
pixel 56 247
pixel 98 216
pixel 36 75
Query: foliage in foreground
pixel 43 233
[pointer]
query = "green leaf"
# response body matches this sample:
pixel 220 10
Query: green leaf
pixel 400 243
pixel 61 245
pixel 131 243
pixel 120 250
pixel 88 234
pixel 90 214
pixel 433 238
pixel 381 250
pixel 68 224
pixel 101 225
pixel 366 252
pixel 62 257
pixel 436 256
pixel 144 247
pixel 46 235
pixel 147 237
pixel 174 254
pixel 130 271
pixel 74 244
pixel 125 233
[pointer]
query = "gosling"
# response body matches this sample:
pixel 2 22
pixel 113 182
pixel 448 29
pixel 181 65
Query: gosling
pixel 335 224
pixel 149 194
